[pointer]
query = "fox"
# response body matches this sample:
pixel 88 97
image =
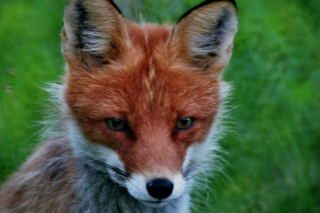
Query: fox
pixel 137 117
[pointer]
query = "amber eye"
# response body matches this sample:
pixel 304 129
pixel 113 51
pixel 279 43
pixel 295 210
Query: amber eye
pixel 116 124
pixel 185 123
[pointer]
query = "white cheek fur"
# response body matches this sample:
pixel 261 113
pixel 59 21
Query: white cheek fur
pixel 203 154
pixel 83 149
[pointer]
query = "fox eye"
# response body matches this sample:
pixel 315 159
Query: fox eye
pixel 116 124
pixel 185 123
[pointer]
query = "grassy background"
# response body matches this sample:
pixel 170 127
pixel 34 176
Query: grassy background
pixel 274 146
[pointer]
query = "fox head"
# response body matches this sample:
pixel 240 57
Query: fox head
pixel 144 99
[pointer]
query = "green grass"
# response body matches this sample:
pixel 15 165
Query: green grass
pixel 274 143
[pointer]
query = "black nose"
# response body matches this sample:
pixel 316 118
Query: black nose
pixel 160 188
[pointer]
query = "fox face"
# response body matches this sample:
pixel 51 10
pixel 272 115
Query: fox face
pixel 144 99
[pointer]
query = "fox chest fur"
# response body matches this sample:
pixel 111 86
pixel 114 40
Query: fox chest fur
pixel 138 113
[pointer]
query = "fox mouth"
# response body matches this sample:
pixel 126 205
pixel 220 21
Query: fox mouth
pixel 154 203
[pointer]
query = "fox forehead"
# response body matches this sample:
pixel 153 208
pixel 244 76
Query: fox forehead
pixel 148 81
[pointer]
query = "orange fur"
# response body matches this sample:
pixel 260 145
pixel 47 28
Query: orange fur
pixel 149 89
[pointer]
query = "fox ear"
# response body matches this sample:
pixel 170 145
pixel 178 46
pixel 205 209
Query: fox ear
pixel 204 36
pixel 94 31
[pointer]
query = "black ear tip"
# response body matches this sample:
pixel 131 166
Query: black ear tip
pixel 211 1
pixel 115 6
pixel 204 3
pixel 110 1
pixel 234 3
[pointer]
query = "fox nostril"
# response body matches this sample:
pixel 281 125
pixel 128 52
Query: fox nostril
pixel 160 188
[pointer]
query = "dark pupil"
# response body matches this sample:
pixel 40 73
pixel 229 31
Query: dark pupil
pixel 184 123
pixel 116 124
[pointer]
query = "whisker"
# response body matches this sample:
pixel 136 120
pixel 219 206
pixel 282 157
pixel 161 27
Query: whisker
pixel 195 169
pixel 191 168
pixel 118 171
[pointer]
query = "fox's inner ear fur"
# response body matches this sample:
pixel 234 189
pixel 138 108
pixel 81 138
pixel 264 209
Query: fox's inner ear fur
pixel 94 31
pixel 204 35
